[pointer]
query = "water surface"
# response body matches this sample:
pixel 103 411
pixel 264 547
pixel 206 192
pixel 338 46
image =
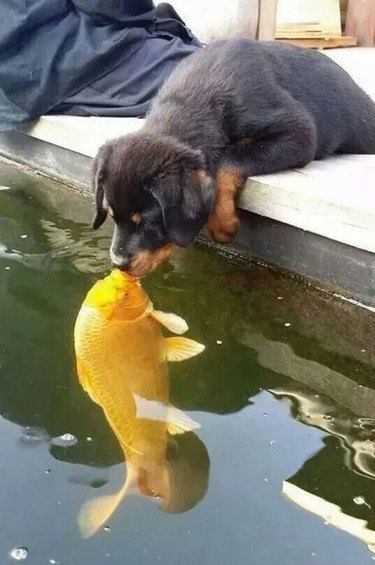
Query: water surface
pixel 284 393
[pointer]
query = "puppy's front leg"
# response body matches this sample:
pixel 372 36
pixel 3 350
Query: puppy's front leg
pixel 223 222
pixel 287 148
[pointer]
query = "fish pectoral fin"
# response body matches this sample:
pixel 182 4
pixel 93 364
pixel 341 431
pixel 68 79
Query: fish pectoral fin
pixel 95 513
pixel 180 348
pixel 178 422
pixel 172 322
pixel 150 409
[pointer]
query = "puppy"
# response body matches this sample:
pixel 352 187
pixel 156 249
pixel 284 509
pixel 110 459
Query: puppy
pixel 234 109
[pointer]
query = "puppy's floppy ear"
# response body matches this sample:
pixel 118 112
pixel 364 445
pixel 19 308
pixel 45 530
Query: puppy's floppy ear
pixel 198 198
pixel 185 197
pixel 98 176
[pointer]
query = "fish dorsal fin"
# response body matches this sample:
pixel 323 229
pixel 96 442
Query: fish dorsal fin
pixel 178 422
pixel 180 348
pixel 96 512
pixel 172 322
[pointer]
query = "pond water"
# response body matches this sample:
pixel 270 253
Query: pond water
pixel 282 469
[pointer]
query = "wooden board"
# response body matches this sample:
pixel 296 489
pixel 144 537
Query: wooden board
pixel 323 43
pixel 308 18
pixel 360 21
pixel 267 20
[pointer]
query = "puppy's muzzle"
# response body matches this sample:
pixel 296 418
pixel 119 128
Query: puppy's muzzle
pixel 121 262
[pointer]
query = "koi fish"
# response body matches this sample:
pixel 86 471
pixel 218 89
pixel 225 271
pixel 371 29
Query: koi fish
pixel 122 357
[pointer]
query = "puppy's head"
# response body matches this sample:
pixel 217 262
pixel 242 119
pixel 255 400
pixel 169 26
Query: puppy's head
pixel 159 194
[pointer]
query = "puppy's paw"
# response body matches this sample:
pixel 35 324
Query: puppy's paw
pixel 223 231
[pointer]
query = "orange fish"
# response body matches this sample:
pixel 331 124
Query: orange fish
pixel 122 364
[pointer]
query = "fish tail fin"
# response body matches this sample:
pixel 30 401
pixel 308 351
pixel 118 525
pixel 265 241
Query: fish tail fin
pixel 96 512
pixel 178 422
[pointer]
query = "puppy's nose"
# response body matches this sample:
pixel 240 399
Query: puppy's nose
pixel 121 262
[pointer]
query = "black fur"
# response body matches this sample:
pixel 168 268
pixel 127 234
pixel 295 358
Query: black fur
pixel 294 105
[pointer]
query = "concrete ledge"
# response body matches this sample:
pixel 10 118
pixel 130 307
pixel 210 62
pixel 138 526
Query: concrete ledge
pixel 334 198
pixel 78 134
pixel 324 213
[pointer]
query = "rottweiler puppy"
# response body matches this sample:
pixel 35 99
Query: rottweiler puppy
pixel 234 109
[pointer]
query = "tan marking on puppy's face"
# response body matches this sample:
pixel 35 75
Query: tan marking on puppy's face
pixel 136 218
pixel 245 142
pixel 145 262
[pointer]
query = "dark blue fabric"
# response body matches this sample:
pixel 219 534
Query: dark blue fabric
pixel 101 57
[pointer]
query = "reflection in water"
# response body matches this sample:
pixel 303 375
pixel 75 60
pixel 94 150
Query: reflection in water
pixel 332 514
pixel 35 261
pixel 318 485
pixel 121 363
pixel 326 350
pixel 356 436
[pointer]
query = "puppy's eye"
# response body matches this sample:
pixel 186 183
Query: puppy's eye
pixel 136 218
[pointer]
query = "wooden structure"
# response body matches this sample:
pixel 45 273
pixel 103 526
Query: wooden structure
pixel 318 24
pixel 360 21
pixel 311 23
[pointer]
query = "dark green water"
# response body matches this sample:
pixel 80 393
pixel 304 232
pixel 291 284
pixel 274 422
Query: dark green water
pixel 287 398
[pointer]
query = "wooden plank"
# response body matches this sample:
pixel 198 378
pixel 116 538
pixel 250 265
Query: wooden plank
pixel 360 21
pixel 267 19
pixel 325 12
pixel 305 35
pixel 323 43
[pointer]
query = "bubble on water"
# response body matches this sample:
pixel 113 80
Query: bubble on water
pixel 53 562
pixel 363 350
pixel 2 187
pixel 23 236
pixel 107 528
pixel 65 440
pixel 47 471
pixel 287 324
pixel 89 438
pixel 360 501
pixel 219 342
pixel 328 417
pixel 32 435
pixel 18 553
pixel 7 268
pixel 272 442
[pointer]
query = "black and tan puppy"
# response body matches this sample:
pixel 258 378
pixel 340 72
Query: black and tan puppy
pixel 234 109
